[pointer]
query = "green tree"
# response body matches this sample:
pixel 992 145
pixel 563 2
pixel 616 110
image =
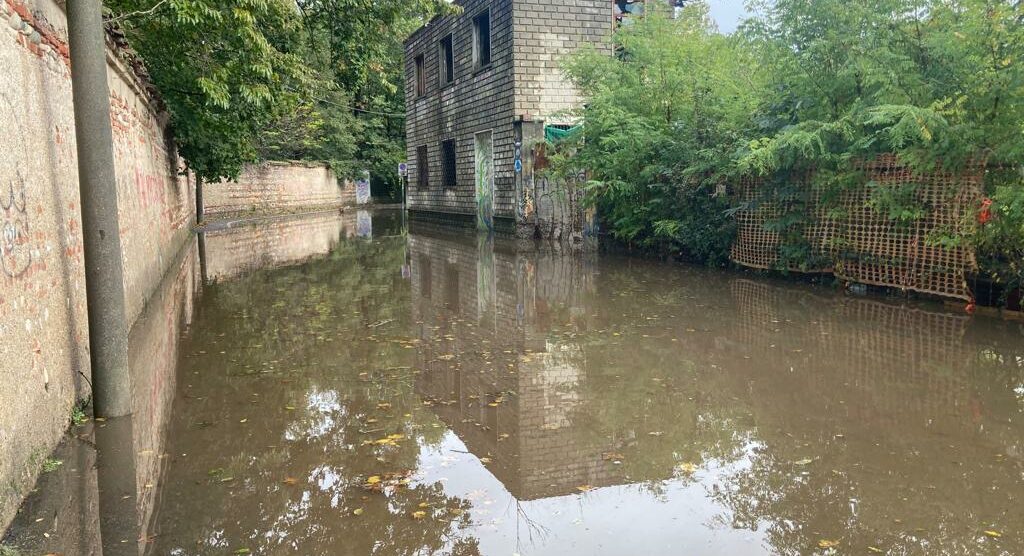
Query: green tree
pixel 223 68
pixel 662 122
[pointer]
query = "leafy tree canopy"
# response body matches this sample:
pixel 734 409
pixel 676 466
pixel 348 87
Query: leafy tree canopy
pixel 803 85
pixel 251 79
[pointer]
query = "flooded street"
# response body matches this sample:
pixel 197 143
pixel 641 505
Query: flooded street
pixel 441 395
pixel 344 389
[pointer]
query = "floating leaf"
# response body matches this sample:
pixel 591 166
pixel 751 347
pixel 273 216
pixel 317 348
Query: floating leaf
pixel 688 468
pixel 875 550
pixel 291 481
pixel 993 534
pixel 243 551
pixel 803 462
pixel 825 543
pixel 357 511
pixel 584 488
pixel 419 515
pixel 373 480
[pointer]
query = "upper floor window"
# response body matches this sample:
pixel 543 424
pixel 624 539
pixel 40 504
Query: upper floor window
pixel 482 39
pixel 421 77
pixel 446 58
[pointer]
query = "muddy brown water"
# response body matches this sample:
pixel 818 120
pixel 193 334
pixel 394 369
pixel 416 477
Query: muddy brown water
pixel 343 388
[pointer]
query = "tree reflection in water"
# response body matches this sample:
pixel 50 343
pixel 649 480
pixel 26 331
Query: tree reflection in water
pixel 553 402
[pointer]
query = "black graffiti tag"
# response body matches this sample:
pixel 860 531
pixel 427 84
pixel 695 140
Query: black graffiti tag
pixel 15 248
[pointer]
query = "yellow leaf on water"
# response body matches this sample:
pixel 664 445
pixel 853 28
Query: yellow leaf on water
pixel 373 480
pixel 688 468
pixel 993 534
pixel 291 481
pixel 357 511
pixel 825 543
pixel 419 515
pixel 804 462
pixel 424 505
pixel 584 488
pixel 875 550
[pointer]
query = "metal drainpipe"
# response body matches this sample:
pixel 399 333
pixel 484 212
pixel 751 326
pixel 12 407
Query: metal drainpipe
pixel 104 275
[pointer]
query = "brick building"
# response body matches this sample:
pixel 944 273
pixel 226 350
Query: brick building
pixel 480 88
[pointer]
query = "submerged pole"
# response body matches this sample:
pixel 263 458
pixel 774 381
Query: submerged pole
pixel 104 275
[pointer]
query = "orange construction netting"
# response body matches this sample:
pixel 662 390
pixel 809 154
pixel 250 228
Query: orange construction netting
pixel 859 242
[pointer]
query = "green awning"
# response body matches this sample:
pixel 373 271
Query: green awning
pixel 554 134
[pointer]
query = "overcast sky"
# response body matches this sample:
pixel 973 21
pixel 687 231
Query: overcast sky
pixel 727 13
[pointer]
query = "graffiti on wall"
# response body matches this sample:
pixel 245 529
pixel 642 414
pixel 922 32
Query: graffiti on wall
pixel 15 249
pixel 363 189
pixel 484 153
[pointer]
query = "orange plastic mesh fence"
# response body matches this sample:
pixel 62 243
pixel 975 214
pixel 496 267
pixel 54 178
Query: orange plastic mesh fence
pixel 865 245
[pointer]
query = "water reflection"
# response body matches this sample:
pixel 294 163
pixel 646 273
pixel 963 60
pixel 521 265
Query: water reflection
pixel 450 395
pixel 232 251
pixel 103 494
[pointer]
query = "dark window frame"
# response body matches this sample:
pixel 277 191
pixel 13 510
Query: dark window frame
pixel 421 75
pixel 449 163
pixel 483 50
pixel 422 167
pixel 446 60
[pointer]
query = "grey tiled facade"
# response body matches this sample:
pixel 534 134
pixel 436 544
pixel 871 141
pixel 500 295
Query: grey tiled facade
pixel 513 97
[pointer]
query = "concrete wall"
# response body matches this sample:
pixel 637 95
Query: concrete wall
pixel 42 292
pixel 276 187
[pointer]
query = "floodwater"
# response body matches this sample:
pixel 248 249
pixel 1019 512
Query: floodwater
pixel 344 388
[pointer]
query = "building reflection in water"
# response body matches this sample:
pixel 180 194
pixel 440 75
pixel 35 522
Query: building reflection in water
pixel 515 398
pixel 805 412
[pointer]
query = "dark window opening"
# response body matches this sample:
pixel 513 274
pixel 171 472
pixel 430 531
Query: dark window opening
pixel 447 52
pixel 482 39
pixel 421 77
pixel 448 178
pixel 422 167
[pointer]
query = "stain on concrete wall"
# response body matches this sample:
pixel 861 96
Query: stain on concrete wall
pixel 276 187
pixel 42 286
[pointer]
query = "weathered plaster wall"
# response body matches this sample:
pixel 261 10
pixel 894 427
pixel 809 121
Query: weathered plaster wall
pixel 43 320
pixel 276 187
